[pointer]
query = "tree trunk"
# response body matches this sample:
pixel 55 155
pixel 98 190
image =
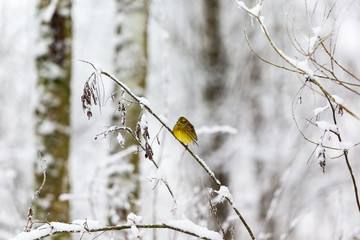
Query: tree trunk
pixel 53 64
pixel 130 68
pixel 215 65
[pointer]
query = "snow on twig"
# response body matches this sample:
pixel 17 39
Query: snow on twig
pixel 189 226
pixel 87 226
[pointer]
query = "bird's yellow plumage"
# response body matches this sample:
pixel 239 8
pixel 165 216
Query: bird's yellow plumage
pixel 185 131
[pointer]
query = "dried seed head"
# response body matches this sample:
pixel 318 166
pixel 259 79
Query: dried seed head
pixel 89 114
pixel 148 151
pixel 323 165
pixel 146 134
pixel 341 110
pixel 91 94
pixel 138 131
pixel 321 156
pixel 123 114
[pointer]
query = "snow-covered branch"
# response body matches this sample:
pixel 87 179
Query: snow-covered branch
pixel 89 96
pixel 299 66
pixel 309 67
pixel 87 227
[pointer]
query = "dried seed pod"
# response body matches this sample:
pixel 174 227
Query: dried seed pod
pixel 123 114
pixel 341 110
pixel 323 165
pixel 146 134
pixel 89 114
pixel 138 131
pixel 148 151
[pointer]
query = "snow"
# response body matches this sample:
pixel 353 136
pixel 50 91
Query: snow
pixel 34 234
pixel 98 69
pixel 216 129
pixel 338 100
pixel 242 5
pixel 51 71
pixel 54 227
pixel 160 174
pixel 301 65
pixel 48 13
pixel 135 231
pixel 120 140
pixel 112 128
pixel 314 39
pixel 189 226
pixel 73 196
pixel 264 236
pixel 327 126
pixel 133 219
pixel 253 155
pixel 320 109
pixel 256 10
pixel 47 127
pixel 89 224
pixel 224 191
pixel 144 101
pixel 143 121
pixel 164 119
pixel 208 169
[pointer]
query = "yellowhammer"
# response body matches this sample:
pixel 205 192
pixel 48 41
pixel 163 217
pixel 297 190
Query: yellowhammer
pixel 185 131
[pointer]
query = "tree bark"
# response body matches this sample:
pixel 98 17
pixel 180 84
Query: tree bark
pixel 130 68
pixel 53 64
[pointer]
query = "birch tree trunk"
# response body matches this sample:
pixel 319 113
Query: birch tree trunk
pixel 130 67
pixel 53 64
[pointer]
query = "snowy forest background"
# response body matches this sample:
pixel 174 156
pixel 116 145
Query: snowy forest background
pixel 184 58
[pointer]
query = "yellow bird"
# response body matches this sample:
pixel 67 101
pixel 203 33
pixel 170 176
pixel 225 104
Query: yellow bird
pixel 185 131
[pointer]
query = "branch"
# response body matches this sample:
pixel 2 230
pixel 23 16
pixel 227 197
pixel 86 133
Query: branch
pixel 197 158
pixel 337 63
pixel 302 68
pixel 345 151
pixel 298 65
pixel 53 228
pixel 88 98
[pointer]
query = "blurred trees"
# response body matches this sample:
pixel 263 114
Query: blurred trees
pixel 211 77
pixel 53 64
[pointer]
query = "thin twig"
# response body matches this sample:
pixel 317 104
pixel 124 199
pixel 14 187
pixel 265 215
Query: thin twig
pixel 29 222
pixel 213 209
pixel 345 151
pixel 337 63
